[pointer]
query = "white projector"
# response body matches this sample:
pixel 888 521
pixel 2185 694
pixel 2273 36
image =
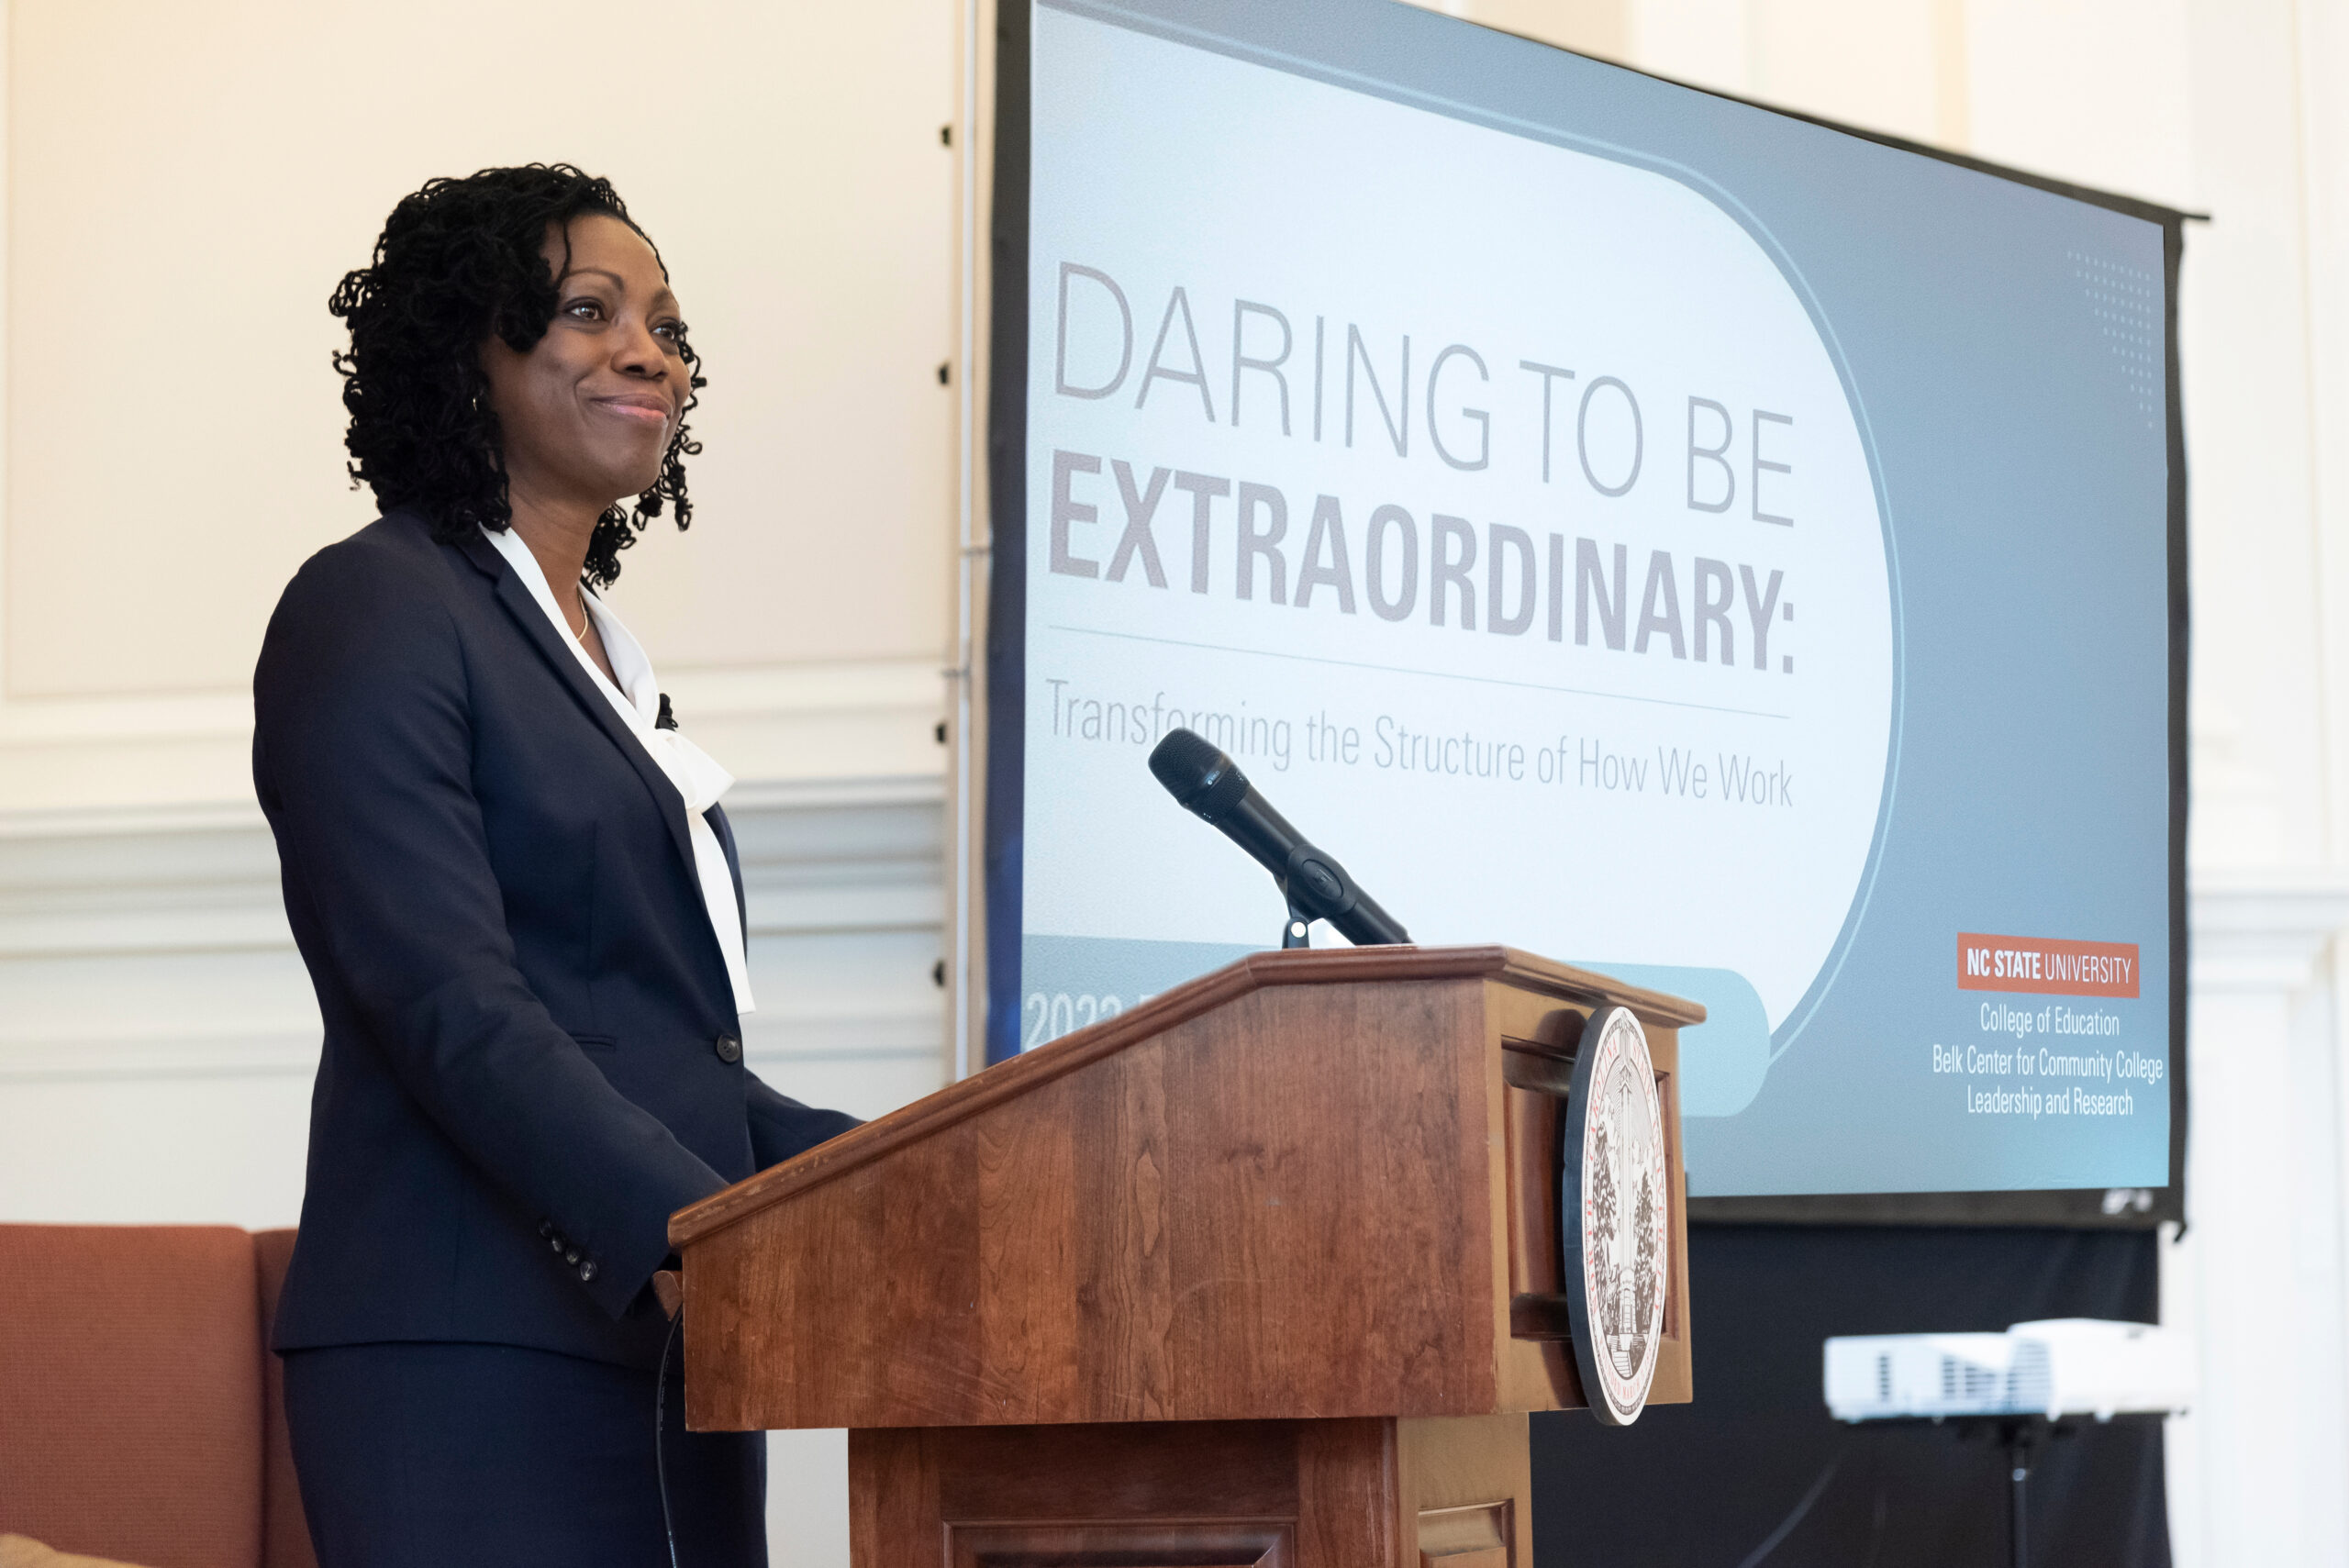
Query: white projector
pixel 2061 1366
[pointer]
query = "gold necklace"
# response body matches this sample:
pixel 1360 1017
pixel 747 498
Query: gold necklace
pixel 579 636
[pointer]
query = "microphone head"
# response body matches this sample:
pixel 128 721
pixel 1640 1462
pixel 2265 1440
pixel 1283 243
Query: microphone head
pixel 1202 778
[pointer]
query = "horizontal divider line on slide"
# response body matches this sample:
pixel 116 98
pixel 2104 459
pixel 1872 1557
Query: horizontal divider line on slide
pixel 1408 670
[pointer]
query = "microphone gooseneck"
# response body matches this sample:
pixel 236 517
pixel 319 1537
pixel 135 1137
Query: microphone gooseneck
pixel 1209 785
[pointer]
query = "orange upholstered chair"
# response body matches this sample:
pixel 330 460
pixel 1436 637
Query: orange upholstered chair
pixel 141 1415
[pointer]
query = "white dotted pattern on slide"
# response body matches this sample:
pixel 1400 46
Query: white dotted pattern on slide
pixel 2127 304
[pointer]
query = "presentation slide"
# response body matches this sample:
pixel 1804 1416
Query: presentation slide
pixel 1619 522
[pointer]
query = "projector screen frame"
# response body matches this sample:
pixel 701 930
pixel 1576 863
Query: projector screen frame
pixel 1000 770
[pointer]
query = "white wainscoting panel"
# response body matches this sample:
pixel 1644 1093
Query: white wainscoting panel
pixel 2256 1471
pixel 158 1034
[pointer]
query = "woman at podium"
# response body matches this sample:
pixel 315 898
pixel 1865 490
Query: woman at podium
pixel 517 897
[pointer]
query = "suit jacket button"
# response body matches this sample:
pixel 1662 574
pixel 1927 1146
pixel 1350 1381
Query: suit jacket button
pixel 555 1241
pixel 729 1048
pixel 587 1272
pixel 572 1255
pixel 546 1228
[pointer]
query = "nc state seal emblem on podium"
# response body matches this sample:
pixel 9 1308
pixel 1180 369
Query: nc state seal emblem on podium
pixel 1615 1212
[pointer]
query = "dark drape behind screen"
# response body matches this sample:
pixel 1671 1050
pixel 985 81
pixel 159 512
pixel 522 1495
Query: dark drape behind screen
pixel 1703 1486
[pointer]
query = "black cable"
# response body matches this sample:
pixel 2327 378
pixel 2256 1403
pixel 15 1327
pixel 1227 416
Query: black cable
pixel 660 1452
pixel 1771 1543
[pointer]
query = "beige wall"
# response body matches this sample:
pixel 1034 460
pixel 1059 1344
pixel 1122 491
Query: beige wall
pixel 187 182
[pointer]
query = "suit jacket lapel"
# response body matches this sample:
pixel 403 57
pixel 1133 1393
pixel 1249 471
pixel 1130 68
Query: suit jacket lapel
pixel 541 634
pixel 724 830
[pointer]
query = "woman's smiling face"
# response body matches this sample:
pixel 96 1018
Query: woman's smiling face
pixel 588 413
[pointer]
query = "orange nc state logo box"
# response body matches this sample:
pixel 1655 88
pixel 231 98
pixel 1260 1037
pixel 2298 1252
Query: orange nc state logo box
pixel 2046 966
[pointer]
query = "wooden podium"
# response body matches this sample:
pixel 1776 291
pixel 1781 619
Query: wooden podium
pixel 1265 1271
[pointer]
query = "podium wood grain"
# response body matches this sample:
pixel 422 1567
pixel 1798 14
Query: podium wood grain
pixel 1312 1185
pixel 1278 1494
pixel 1264 1274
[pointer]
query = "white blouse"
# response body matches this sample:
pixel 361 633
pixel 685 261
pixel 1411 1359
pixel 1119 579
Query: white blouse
pixel 636 699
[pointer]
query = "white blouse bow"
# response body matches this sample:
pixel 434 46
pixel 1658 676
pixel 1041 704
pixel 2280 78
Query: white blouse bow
pixel 695 773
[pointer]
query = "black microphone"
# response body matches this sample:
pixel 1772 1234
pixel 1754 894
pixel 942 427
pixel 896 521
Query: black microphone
pixel 1209 783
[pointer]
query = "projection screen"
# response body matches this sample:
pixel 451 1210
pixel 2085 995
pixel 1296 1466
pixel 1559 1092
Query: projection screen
pixel 1695 543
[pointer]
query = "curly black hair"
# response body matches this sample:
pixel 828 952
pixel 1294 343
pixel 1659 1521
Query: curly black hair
pixel 457 261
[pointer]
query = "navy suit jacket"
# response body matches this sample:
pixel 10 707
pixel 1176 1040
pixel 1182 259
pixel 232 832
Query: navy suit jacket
pixel 530 1055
